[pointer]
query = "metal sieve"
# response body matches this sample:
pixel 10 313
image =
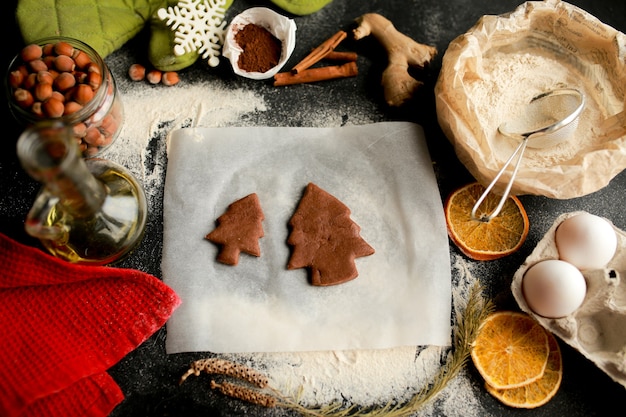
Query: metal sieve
pixel 549 118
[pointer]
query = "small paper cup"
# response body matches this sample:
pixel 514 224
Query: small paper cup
pixel 280 26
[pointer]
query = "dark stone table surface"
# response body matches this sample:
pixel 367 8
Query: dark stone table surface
pixel 148 376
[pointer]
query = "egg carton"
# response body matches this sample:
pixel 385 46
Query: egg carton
pixel 597 329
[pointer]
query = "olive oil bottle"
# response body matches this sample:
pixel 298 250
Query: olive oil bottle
pixel 89 211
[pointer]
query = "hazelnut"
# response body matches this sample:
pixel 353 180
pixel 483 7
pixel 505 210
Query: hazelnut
pixel 45 77
pixel 170 78
pixel 16 78
pixel 36 109
pixel 83 94
pixel 81 59
pixel 109 125
pixel 94 79
pixel 37 65
pixel 154 76
pixel 93 67
pixel 23 98
pixel 93 136
pixel 30 81
pixel 79 130
pixel 63 48
pixel 48 60
pixel 64 63
pixel 137 72
pixel 53 107
pixel 64 81
pixel 57 95
pixel 43 91
pixel 72 107
pixel 31 52
pixel 48 49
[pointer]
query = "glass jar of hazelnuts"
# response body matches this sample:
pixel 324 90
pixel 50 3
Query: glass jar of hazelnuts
pixel 64 78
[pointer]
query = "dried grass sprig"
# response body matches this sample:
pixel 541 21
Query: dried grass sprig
pixel 244 393
pixel 228 368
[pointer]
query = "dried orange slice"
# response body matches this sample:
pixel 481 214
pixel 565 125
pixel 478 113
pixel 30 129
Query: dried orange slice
pixel 539 392
pixel 485 240
pixel 510 350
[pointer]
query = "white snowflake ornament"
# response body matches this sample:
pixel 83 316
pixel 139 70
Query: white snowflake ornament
pixel 199 26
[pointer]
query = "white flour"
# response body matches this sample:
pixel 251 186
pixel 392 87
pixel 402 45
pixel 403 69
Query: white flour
pixel 152 113
pixel 352 377
pixel 507 82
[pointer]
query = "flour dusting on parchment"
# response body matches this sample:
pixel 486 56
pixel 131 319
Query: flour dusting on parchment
pixel 375 377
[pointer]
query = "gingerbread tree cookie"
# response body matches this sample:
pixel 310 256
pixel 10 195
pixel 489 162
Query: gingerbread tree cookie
pixel 325 239
pixel 239 230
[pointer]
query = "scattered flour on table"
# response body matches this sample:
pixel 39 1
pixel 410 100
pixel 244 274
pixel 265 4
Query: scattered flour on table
pixel 350 377
pixel 151 114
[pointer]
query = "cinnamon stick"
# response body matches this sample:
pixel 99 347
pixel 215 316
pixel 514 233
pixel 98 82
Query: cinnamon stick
pixel 341 56
pixel 312 75
pixel 320 52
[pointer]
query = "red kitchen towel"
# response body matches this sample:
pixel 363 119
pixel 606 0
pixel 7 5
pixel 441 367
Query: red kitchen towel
pixel 92 396
pixel 63 325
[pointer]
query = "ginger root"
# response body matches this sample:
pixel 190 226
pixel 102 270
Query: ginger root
pixel 402 52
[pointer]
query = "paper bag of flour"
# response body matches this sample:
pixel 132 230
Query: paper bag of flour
pixel 491 72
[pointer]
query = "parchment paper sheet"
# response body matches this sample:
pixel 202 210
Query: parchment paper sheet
pixel 382 172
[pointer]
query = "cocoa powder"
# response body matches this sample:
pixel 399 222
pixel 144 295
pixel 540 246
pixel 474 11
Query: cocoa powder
pixel 260 49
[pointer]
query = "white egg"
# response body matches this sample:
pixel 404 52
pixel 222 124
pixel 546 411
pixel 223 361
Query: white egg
pixel 553 288
pixel 586 241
